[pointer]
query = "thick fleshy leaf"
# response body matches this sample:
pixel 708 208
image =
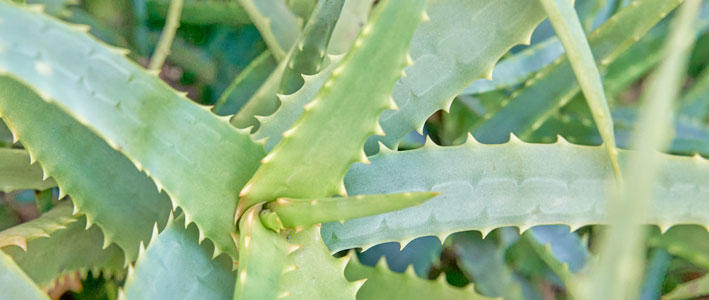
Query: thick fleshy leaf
pixel 689 290
pixel 310 262
pixel 69 248
pixel 103 184
pixel 176 266
pixel 347 108
pixel 171 138
pixel 403 286
pixel 15 284
pixel 306 212
pixel 569 30
pixel 555 85
pixel 560 183
pixel 262 259
pixel 17 172
pixel 53 220
pixel 453 49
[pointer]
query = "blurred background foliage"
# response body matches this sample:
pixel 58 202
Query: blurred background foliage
pixel 216 42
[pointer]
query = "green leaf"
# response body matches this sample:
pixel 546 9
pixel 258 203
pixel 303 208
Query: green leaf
pixel 560 184
pixel 312 46
pixel 347 108
pixel 518 67
pixel 266 100
pixel 176 266
pixel 292 106
pixel 66 250
pixel 15 284
pixel 693 105
pixel 305 212
pixel 403 286
pixel 690 289
pixel 168 136
pixel 278 26
pixel 310 262
pixel 448 55
pixel 555 85
pixel 688 242
pixel 202 12
pixel 568 28
pixel 51 221
pixel 619 270
pixel 17 172
pixel 262 259
pixel 245 85
pixel 103 183
pixel 484 261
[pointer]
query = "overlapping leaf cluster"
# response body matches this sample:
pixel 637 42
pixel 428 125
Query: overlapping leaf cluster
pixel 324 143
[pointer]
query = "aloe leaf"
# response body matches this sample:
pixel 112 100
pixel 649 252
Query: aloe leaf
pixel 201 12
pixel 382 281
pixel 266 99
pixel 262 259
pixel 561 184
pixel 69 248
pixel 561 269
pixel 448 55
pixel 619 269
pixel 516 68
pixel 312 45
pixel 55 219
pixel 292 106
pixel 17 173
pixel 554 86
pixel 306 212
pixel 310 261
pixel 566 247
pixel 245 84
pixel 173 139
pixel 278 26
pixel 176 266
pixel 568 28
pixel 688 242
pixel 103 183
pixel 484 261
pixel 348 105
pixel 690 289
pixel 15 283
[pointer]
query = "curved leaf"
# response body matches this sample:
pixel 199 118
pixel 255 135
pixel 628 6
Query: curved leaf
pixel 103 183
pixel 690 290
pixel 55 219
pixel 560 184
pixel 67 250
pixel 262 259
pixel 555 85
pixel 245 85
pixel 310 262
pixel 278 26
pixel 569 30
pixel 306 212
pixel 347 108
pixel 15 284
pixel 176 266
pixel 453 49
pixel 173 139
pixel 403 286
pixel 17 173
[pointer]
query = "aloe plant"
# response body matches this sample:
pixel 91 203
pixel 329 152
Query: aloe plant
pixel 355 123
